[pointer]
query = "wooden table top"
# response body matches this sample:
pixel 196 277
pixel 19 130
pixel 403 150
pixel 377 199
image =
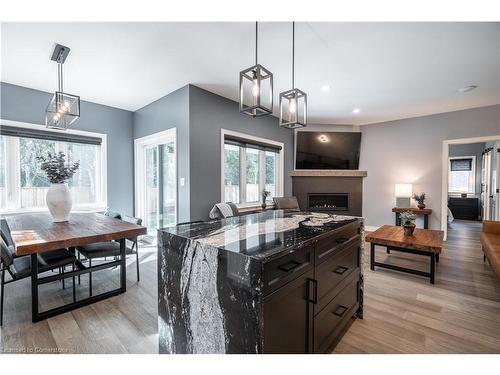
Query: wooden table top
pixel 415 210
pixel 37 233
pixel 422 239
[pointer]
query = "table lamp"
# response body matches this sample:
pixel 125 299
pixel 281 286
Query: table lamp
pixel 403 195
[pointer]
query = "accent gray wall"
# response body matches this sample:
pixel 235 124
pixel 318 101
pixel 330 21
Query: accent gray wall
pixel 27 105
pixel 410 150
pixel 170 111
pixel 209 113
pixel 471 149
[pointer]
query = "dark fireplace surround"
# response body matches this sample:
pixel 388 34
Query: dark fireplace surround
pixel 337 192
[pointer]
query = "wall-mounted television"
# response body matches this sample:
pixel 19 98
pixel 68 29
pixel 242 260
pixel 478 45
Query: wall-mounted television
pixel 327 150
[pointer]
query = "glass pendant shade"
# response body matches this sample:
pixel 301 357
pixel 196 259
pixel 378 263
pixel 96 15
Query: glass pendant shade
pixel 62 111
pixel 293 103
pixel 256 91
pixel 293 109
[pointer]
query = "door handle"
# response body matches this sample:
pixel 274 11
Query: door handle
pixel 340 270
pixel 314 284
pixel 340 310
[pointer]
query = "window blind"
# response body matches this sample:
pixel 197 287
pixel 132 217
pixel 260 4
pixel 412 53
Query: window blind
pixel 14 131
pixel 242 142
pixel 461 164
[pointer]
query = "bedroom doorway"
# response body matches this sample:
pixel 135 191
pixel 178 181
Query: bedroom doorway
pixel 470 175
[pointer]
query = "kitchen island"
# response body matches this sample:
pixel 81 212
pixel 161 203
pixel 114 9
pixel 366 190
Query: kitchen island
pixel 270 282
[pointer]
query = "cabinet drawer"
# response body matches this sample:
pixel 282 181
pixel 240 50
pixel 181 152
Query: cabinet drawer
pixel 347 235
pixel 333 271
pixel 330 321
pixel 282 270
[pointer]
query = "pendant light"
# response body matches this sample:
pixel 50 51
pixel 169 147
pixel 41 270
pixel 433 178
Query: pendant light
pixel 293 103
pixel 63 109
pixel 256 87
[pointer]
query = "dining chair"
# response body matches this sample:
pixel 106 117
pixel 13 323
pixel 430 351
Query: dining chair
pixel 20 267
pixel 7 237
pixel 110 249
pixel 286 203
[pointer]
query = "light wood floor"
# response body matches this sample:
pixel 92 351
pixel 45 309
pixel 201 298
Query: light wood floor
pixel 403 313
pixel 406 314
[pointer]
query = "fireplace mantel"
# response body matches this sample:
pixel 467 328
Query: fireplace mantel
pixel 328 173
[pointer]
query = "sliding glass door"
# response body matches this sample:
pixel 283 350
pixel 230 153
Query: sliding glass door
pixel 156 180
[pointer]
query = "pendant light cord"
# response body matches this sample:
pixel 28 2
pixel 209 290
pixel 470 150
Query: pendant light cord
pixel 256 41
pixel 293 55
pixel 60 72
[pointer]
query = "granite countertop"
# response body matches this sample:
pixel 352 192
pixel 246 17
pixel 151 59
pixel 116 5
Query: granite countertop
pixel 261 235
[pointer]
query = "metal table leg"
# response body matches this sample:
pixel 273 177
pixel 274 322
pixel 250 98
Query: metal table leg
pixel 123 265
pixel 34 287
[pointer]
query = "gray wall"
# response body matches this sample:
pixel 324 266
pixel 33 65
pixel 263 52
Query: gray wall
pixel 410 150
pixel 471 149
pixel 170 111
pixel 209 113
pixel 27 105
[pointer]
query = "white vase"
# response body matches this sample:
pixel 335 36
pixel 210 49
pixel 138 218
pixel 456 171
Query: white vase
pixel 59 202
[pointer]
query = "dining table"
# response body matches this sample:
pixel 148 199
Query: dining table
pixel 33 234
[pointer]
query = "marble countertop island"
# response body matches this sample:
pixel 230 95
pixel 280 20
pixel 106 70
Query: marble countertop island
pixel 210 276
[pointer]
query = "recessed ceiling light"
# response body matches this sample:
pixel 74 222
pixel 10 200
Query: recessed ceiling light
pixel 323 138
pixel 356 111
pixel 467 88
pixel 325 88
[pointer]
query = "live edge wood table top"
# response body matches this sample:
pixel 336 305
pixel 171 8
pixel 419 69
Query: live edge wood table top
pixel 37 233
pixel 415 210
pixel 422 239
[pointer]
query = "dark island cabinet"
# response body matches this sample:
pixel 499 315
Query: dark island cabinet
pixel 312 294
pixel 288 316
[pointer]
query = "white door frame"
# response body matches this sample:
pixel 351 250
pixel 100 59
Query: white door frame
pixel 444 173
pixel 162 137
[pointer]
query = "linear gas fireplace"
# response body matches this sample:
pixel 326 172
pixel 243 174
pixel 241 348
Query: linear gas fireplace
pixel 328 202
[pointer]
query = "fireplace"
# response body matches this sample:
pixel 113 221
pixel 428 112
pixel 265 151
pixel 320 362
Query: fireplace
pixel 328 202
pixel 337 192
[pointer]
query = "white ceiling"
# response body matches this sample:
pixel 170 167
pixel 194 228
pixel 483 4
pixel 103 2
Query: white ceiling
pixel 388 70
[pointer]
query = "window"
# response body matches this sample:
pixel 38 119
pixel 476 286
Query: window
pixel 250 165
pixel 462 175
pixel 23 185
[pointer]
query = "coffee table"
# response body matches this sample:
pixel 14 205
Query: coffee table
pixel 425 242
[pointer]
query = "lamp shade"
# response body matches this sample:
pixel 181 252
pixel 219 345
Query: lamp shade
pixel 404 190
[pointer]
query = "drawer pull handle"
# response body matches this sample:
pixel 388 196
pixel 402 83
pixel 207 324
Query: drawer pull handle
pixel 341 270
pixel 342 240
pixel 340 310
pixel 288 267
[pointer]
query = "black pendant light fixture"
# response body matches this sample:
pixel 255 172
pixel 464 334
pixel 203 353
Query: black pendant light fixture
pixel 64 109
pixel 293 103
pixel 256 87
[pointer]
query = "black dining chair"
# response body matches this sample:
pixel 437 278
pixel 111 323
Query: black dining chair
pixel 111 248
pixel 20 267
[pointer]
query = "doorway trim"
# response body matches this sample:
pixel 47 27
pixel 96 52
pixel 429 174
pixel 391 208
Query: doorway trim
pixel 444 173
pixel 139 171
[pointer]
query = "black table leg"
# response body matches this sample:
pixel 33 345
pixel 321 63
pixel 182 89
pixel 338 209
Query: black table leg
pixel 433 267
pixel 34 287
pixel 437 258
pixel 426 221
pixel 123 265
pixel 372 256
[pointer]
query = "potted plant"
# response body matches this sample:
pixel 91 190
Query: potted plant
pixel 420 198
pixel 408 218
pixel 264 194
pixel 58 172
